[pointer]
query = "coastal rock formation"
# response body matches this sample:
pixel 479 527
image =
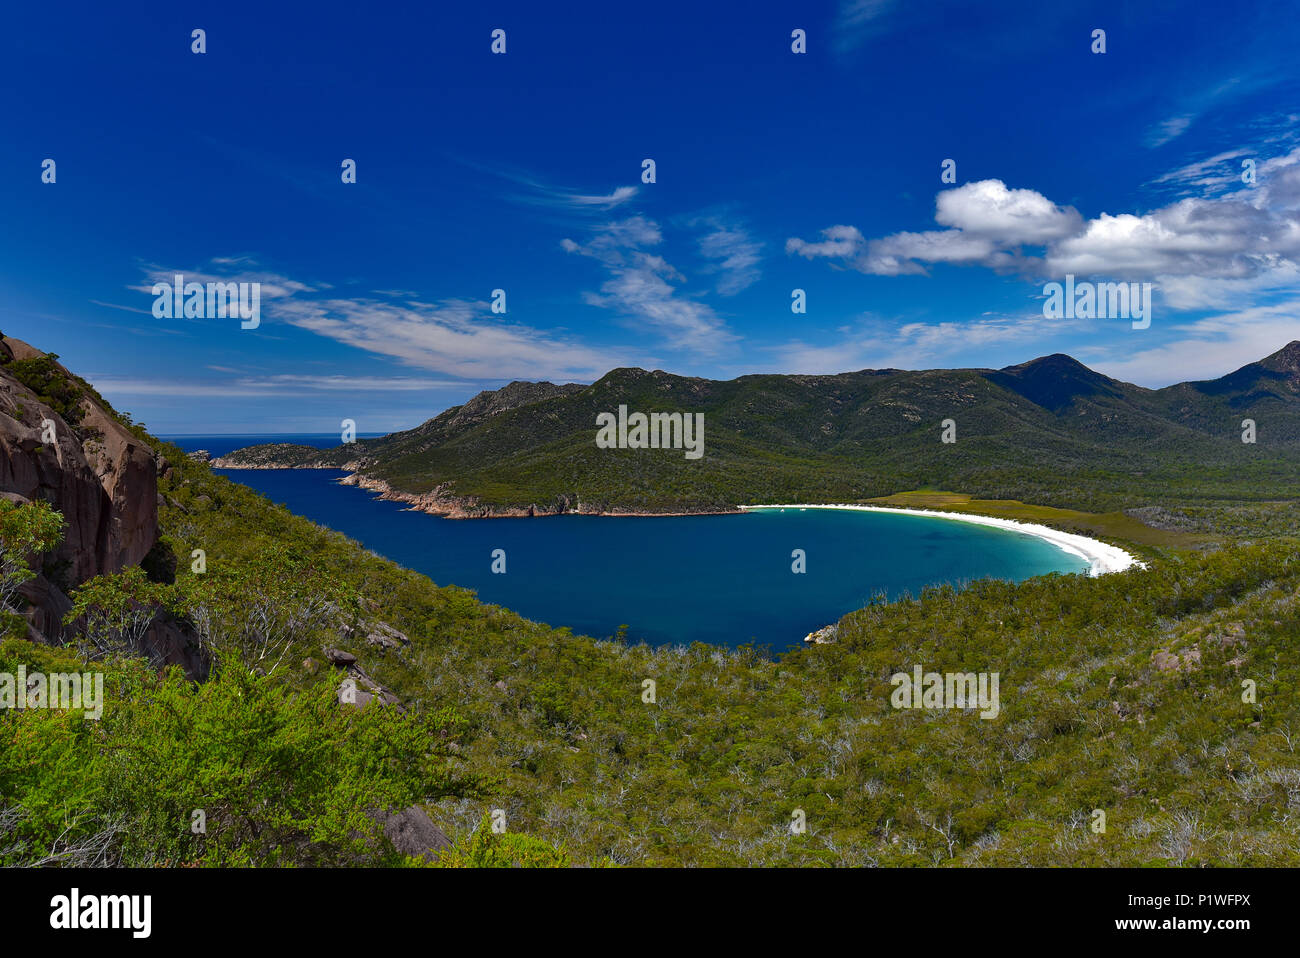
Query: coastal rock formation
pixel 441 501
pixel 287 455
pixel 128 472
pixel 95 472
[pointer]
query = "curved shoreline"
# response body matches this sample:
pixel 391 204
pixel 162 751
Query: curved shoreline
pixel 1100 556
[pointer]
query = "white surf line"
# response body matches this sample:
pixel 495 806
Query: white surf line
pixel 1100 556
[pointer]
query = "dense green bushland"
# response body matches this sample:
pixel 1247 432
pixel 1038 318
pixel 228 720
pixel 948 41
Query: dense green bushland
pixel 553 728
pixel 274 774
pixel 1185 771
pixel 1167 698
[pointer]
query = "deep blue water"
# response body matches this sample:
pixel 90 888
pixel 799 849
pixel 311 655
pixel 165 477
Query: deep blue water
pixel 719 579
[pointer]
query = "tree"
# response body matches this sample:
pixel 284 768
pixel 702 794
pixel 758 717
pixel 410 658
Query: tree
pixel 255 611
pixel 116 611
pixel 488 849
pixel 26 530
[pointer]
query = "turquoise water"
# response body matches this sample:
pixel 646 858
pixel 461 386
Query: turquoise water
pixel 720 579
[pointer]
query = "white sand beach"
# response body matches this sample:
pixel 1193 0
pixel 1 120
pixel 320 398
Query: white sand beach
pixel 1102 558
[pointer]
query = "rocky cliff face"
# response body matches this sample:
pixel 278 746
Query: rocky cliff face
pixel 103 479
pixel 99 476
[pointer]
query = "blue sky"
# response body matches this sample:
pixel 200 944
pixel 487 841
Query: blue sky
pixel 522 172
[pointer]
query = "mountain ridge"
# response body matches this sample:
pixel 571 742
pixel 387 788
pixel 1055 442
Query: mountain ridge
pixel 528 449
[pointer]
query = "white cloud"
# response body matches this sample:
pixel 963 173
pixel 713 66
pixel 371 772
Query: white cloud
pixel 1206 251
pixel 617 197
pixel 1170 129
pixel 1011 217
pixel 273 286
pixel 837 242
pixel 1203 292
pixel 732 253
pixel 454 337
pixel 903 253
pixel 1240 235
pixel 640 286
pixel 543 194
pixel 458 337
pixel 988 221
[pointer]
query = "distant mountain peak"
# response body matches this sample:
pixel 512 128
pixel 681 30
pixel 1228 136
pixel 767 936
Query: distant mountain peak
pixel 1286 359
pixel 1054 381
pixel 1056 361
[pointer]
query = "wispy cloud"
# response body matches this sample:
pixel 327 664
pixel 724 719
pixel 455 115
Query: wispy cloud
pixel 876 344
pixel 595 202
pixel 641 290
pixel 616 197
pixel 1271 135
pixel 284 385
pixel 456 337
pixel 225 269
pixel 732 253
pixel 540 193
pixel 128 309
pixel 1205 102
pixel 1208 176
pixel 1168 130
pixel 459 337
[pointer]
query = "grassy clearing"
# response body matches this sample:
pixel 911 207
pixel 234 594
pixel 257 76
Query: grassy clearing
pixel 1114 526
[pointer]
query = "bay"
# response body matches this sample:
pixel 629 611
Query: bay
pixel 724 580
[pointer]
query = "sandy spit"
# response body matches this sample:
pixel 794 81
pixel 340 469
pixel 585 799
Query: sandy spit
pixel 1100 556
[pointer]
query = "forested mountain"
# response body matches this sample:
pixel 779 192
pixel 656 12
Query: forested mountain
pixel 1050 431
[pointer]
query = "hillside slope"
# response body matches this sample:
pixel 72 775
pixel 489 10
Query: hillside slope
pixel 1165 697
pixel 1049 431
